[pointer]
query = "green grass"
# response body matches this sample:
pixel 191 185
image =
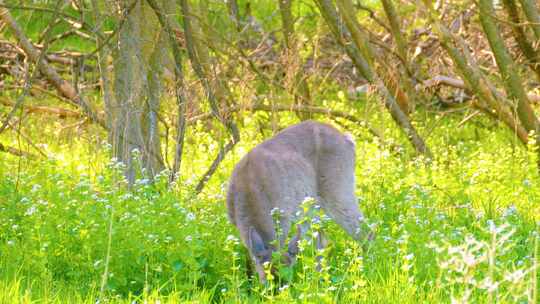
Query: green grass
pixel 464 225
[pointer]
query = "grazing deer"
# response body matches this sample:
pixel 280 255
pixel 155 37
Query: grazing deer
pixel 310 159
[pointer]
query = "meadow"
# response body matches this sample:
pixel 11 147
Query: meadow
pixel 459 228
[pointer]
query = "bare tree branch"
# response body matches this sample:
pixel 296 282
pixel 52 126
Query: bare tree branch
pixel 16 152
pixel 295 108
pixel 360 52
pixel 43 109
pixel 64 87
pixel 195 52
pixel 38 61
pixel 181 100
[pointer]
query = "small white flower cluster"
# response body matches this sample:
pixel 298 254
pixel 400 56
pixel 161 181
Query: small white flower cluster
pixel 477 265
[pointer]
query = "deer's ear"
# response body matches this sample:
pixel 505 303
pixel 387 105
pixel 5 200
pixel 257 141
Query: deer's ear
pixel 256 244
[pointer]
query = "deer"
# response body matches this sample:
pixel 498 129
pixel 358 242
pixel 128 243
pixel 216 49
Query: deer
pixel 307 160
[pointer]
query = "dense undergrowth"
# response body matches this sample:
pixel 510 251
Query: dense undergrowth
pixel 463 227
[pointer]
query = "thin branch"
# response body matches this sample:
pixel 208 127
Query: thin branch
pixel 27 139
pixel 4 14
pixel 195 52
pixel 213 167
pixel 181 100
pixel 16 152
pixel 73 20
pixel 295 108
pixel 64 87
pixel 43 109
pixel 107 41
pixel 373 16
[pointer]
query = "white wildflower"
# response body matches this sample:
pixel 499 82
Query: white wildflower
pixel 30 211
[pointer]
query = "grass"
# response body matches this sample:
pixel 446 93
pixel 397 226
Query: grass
pixel 462 228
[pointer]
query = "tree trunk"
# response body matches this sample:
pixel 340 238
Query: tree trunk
pixel 136 94
pixel 234 12
pixel 407 103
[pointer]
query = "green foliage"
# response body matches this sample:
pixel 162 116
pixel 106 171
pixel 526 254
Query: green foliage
pixel 462 226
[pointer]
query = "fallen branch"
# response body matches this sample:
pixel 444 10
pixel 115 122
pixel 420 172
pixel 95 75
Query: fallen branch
pixel 444 80
pixel 15 126
pixel 62 113
pixel 75 125
pixel 36 88
pixel 38 60
pixel 15 151
pixel 460 84
pixel 63 87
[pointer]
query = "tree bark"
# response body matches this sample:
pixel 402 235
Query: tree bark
pixel 137 88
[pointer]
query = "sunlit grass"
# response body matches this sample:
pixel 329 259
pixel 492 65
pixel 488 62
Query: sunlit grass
pixel 462 228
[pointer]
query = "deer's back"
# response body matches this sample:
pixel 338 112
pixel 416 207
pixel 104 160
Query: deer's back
pixel 282 171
